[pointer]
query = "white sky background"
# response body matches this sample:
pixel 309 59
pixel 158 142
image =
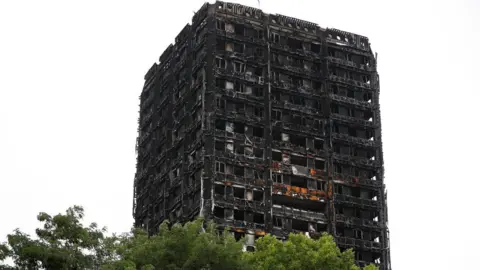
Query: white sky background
pixel 71 73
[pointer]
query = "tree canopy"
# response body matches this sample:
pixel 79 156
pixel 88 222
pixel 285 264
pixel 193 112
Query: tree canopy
pixel 64 243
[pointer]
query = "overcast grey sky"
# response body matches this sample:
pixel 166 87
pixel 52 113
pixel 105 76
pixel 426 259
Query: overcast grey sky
pixel 71 73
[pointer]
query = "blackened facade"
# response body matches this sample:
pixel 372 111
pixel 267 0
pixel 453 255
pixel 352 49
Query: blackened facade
pixel 266 124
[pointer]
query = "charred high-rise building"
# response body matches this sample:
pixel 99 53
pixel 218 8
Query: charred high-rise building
pixel 266 124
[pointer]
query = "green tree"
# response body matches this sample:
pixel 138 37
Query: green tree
pixel 300 252
pixel 180 247
pixel 62 243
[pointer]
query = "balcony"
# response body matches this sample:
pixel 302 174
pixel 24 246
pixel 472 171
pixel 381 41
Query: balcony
pixel 228 180
pixel 282 145
pixel 242 76
pixel 351 101
pixel 286 49
pixel 287 86
pixel 280 210
pixel 239 37
pixel 354 140
pixel 234 115
pixel 358 244
pixel 295 107
pixel 349 65
pixel 350 82
pixel 241 225
pixel 357 202
pixel 346 179
pixel 358 222
pixel 298 192
pixel 229 201
pixel 343 62
pixel 352 120
pixel 239 137
pixel 357 161
pixel 297 128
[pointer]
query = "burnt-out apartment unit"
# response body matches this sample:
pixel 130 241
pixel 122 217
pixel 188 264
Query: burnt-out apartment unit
pixel 265 124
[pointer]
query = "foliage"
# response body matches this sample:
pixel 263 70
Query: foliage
pixel 300 252
pixel 180 247
pixel 64 243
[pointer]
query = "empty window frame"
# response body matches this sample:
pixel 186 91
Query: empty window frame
pixel 298 181
pixel 238 215
pixel 276 115
pixel 258 112
pixel 277 178
pixel 258 195
pixel 239 67
pixel 258 132
pixel 319 164
pixel 219 146
pixel 220 103
pixel 276 156
pixel 295 44
pixel 220 124
pixel 238 193
pixel 258 152
pixel 259 218
pixel 220 63
pixel 277 221
pixel 298 160
pixel 220 24
pixel 239 171
pixel 239 29
pixel 258 91
pixel 220 167
pixel 220 189
pixel 219 212
pixel 239 87
pixel 239 48
pixel 274 37
pixel 315 48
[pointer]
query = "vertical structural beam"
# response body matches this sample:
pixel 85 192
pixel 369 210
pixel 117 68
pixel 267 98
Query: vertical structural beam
pixel 170 125
pixel 328 145
pixel 208 120
pixel 188 138
pixel 267 176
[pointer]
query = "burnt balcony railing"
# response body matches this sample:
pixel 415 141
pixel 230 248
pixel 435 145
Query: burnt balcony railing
pixel 357 222
pixel 298 214
pixel 355 180
pixel 358 243
pixel 353 120
pixel 352 82
pixel 359 161
pixel 354 201
pixel 351 101
pixel 354 140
